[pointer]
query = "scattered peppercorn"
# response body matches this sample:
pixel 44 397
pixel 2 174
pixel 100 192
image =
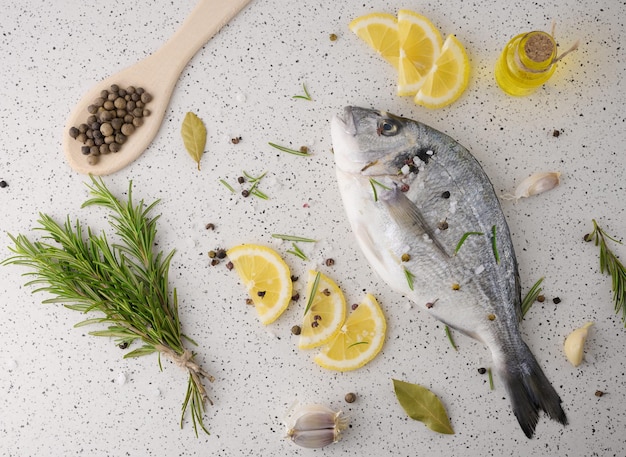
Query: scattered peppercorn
pixel 599 393
pixel 354 306
pixel 114 116
pixel 214 262
pixel 3 184
pixel 333 37
pixel 456 286
pixel 404 188
pixel 541 298
pixel 587 237
pixel 482 370
pixel 329 262
pixel 304 149
pixel 314 324
pixel 443 225
pixel 212 254
pixel 249 301
pixel 210 226
pixel 491 317
pixel 221 254
pixel 230 265
pixel 245 193
pixel 556 300
pixel 241 179
pixel 261 293
pixel 556 133
pixel 295 330
pixel 235 140
pixel 430 305
pixel 405 257
pixel 350 397
pixel 295 297
pixel 445 194
pixel 326 292
pixel 294 278
pixel 123 345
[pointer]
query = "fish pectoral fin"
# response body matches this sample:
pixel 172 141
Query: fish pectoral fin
pixel 408 216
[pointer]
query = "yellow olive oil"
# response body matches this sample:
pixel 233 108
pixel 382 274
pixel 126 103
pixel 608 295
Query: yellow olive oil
pixel 526 63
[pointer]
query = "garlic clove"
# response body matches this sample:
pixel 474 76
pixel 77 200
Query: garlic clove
pixel 574 344
pixel 535 184
pixel 315 426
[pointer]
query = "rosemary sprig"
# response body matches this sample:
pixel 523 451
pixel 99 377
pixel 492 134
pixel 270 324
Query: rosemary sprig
pixel 126 282
pixel 494 244
pixel 409 277
pixel 255 181
pixel 316 284
pixel 465 236
pixel 531 296
pixel 609 263
pixel 293 238
pixel 306 95
pixel 358 343
pixel 289 150
pixel 228 186
pixel 375 183
pixel 297 252
pixel 450 339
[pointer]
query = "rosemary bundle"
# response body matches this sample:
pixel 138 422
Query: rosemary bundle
pixel 609 263
pixel 126 282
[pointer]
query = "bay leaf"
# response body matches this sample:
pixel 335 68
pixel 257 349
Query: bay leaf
pixel 193 132
pixel 423 405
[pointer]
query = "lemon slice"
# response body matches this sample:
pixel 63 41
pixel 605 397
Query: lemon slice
pixel 360 339
pixel 266 276
pixel 448 77
pixel 420 45
pixel 326 312
pixel 380 31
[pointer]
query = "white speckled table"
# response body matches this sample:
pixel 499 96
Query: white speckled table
pixel 64 392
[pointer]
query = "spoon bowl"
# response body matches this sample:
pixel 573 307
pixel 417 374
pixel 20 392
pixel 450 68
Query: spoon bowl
pixel 157 74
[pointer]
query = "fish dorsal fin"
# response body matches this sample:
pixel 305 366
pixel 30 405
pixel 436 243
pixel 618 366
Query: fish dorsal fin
pixel 408 216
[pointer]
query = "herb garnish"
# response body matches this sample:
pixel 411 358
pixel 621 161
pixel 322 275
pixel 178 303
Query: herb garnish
pixel 409 277
pixel 293 238
pixel 228 186
pixel 297 252
pixel 306 95
pixel 450 339
pixel 494 244
pixel 375 183
pixel 289 150
pixel 531 296
pixel 316 284
pixel 463 238
pixel 422 405
pixel 491 386
pixel 125 281
pixel 255 184
pixel 357 343
pixel 609 263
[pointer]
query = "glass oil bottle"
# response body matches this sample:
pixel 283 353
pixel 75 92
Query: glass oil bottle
pixel 527 62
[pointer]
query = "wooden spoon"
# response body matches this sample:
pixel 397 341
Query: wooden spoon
pixel 157 74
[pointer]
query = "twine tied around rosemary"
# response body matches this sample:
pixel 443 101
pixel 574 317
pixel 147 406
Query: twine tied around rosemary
pixel 186 362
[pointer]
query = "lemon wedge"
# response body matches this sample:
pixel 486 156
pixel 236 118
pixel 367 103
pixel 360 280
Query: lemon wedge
pixel 380 31
pixel 420 45
pixel 359 340
pixel 448 77
pixel 267 278
pixel 326 311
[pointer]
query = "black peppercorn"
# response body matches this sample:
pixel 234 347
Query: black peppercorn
pixel 482 370
pixel 3 184
pixel 556 300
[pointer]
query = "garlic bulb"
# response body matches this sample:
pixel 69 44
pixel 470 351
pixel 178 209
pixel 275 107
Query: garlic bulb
pixel 315 426
pixel 535 184
pixel 574 344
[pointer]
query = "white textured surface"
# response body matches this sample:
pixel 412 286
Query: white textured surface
pixel 63 392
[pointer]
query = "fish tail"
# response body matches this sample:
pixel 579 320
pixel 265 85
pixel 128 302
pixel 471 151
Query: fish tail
pixel 530 392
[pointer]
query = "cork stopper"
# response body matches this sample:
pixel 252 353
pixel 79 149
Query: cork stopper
pixel 539 47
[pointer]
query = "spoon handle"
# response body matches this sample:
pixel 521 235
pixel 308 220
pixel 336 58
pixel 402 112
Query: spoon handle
pixel 204 21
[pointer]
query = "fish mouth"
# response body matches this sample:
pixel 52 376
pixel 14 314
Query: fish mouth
pixel 345 122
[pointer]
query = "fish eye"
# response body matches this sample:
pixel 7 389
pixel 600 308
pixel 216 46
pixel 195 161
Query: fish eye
pixel 387 127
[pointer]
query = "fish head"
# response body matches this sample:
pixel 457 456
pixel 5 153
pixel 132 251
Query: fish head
pixel 373 143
